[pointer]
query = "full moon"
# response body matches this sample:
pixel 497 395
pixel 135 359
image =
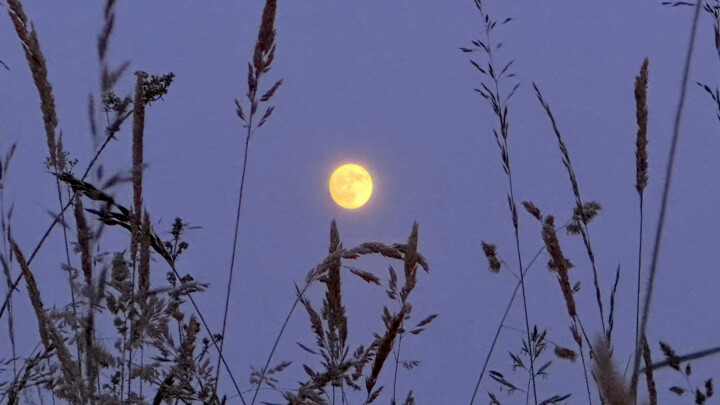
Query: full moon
pixel 350 186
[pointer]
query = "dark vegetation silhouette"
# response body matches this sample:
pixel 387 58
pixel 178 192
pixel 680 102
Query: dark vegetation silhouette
pixel 164 351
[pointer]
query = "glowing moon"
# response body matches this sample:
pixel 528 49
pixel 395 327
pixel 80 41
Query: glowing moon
pixel 350 186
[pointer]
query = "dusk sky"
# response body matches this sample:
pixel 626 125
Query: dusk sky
pixel 384 84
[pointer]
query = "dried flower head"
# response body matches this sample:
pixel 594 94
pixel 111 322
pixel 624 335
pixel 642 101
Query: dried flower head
pixel 641 112
pixel 491 254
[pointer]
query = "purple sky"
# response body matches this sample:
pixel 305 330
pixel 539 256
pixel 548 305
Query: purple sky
pixel 384 85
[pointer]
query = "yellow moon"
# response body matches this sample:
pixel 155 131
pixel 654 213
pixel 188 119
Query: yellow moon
pixel 351 186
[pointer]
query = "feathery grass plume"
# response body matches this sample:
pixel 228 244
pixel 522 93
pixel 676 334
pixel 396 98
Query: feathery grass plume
pixel 57 158
pixel 339 369
pixel 649 378
pixel 5 217
pixel 108 76
pixel 641 113
pixel 580 206
pixel 333 310
pixel 558 263
pixel 177 245
pixel 36 61
pixel 331 341
pixel 394 322
pixel 335 253
pixel 137 159
pixel 7 272
pixel 532 210
pixel 373 247
pixel 154 87
pixel 490 251
pixel 104 36
pixel 335 362
pixel 84 235
pixel 184 368
pixel 613 390
pixel 71 387
pixel 641 163
pixel 315 324
pixel 335 371
pixel 672 358
pixel 394 251
pixel 582 216
pixel 410 262
pixel 384 345
pixel 565 353
pixel 263 57
pixel 364 275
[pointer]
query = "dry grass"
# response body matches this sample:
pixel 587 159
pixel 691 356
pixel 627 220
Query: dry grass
pixel 609 386
pixel 152 360
pixel 489 89
pixel 164 351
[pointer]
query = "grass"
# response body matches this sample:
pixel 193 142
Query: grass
pixel 165 351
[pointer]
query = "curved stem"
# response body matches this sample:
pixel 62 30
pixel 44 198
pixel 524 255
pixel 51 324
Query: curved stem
pixel 234 252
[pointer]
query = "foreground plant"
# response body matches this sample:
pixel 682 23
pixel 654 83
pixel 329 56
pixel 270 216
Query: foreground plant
pixel 341 370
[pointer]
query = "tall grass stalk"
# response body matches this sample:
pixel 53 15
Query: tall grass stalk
pixel 263 57
pixel 665 198
pixel 641 164
pixel 499 106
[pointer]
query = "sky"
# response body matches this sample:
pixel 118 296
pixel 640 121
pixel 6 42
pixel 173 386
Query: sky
pixel 385 85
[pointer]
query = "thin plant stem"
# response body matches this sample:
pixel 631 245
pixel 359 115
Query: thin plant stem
pixel 665 198
pixel 587 382
pixel 686 357
pixel 499 328
pixel 639 274
pixel 279 335
pixel 397 363
pixel 234 248
pixel 263 56
pixel 499 105
pixel 522 282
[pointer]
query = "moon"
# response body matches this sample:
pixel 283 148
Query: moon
pixel 351 186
